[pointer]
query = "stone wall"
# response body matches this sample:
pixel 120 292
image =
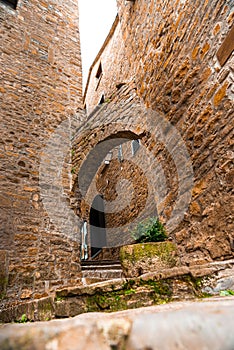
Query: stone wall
pixel 126 184
pixel 114 63
pixel 168 52
pixel 41 86
pixel 167 80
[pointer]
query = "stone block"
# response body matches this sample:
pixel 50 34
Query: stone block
pixel 136 259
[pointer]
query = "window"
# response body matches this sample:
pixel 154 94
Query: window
pixel 11 3
pixel 120 153
pixel 99 71
pixel 102 100
pixel 99 75
pixel 135 146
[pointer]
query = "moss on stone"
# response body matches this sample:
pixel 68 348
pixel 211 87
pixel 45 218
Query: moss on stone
pixel 45 309
pixel 137 252
pixel 132 294
pixel 141 258
pixel 107 302
pixel 196 284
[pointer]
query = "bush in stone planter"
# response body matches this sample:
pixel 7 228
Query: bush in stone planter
pixel 149 230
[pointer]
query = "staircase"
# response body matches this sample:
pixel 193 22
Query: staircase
pixel 94 271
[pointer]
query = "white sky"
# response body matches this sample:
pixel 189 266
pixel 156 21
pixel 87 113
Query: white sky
pixel 96 19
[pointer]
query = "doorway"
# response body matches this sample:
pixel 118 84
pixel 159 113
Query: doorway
pixel 97 226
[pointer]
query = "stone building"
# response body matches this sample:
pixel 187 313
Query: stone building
pixel 156 139
pixel 41 86
pixel 165 72
pixel 165 76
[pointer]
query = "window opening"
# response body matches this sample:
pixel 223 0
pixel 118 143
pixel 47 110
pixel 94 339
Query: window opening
pixel 120 153
pixel 135 146
pixel 11 3
pixel 102 100
pixel 99 71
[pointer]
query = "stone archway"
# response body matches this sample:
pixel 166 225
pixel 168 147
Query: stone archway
pixel 127 193
pixel 140 185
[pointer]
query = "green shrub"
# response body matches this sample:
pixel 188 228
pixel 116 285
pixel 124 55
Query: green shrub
pixel 149 230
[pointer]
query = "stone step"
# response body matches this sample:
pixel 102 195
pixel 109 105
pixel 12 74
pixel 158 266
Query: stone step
pixel 100 270
pixel 85 263
pixel 102 274
pixel 101 267
pixel 87 281
pixel 91 280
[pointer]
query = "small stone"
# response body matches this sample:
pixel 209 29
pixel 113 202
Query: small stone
pixel 35 197
pixel 220 94
pixel 217 29
pixel 195 52
pixel 26 294
pixel 204 50
pixel 195 208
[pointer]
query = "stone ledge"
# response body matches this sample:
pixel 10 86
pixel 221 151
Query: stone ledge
pixel 192 325
pixel 178 283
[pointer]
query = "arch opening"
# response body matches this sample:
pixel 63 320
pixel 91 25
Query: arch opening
pixel 95 157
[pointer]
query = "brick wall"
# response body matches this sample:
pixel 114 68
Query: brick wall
pixel 167 50
pixel 40 87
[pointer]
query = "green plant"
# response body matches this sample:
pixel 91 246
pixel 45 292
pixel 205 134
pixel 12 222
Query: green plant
pixel 58 298
pixel 225 293
pixel 23 319
pixel 129 291
pixel 149 230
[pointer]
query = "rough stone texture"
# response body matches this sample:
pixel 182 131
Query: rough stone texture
pixel 40 69
pixel 138 259
pixel 166 69
pixel 169 57
pixel 192 328
pixel 126 202
pixel 223 281
pixel 208 324
pixel 153 288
